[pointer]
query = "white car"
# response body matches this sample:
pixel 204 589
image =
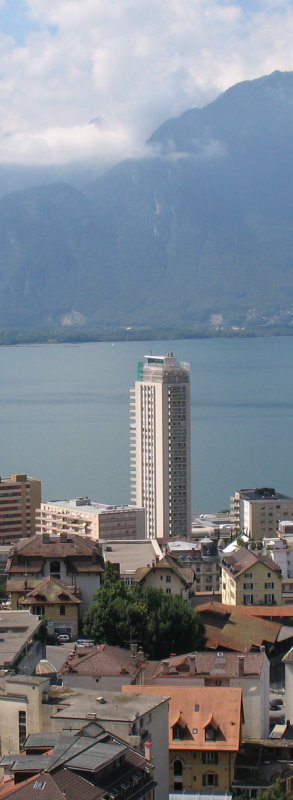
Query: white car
pixel 63 638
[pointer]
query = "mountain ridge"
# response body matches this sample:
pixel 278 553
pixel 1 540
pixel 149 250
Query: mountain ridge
pixel 197 233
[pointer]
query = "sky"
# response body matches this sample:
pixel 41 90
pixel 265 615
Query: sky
pixel 92 79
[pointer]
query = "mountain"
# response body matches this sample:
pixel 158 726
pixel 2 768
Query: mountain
pixel 199 232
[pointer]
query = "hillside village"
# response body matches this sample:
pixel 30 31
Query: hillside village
pixel 146 652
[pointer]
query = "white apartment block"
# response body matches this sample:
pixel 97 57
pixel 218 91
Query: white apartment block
pixel 258 512
pixel 95 520
pixel 160 461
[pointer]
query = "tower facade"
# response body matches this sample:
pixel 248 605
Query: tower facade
pixel 160 461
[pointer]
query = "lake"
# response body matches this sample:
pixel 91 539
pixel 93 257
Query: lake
pixel 64 416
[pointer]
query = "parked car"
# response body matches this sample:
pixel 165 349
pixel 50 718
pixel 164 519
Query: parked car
pixel 63 638
pixel 276 705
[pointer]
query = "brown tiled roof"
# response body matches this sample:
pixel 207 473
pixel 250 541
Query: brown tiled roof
pixel 27 790
pixel 185 574
pixel 103 660
pixel 242 559
pixel 251 611
pixel 210 664
pixel 74 787
pixel 50 590
pixel 230 630
pixel 76 546
pixel 223 705
pixel 35 566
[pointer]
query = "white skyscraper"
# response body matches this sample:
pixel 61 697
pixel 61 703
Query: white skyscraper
pixel 160 445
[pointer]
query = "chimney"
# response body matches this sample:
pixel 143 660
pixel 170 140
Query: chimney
pixel 241 660
pixel 46 538
pixel 192 669
pixel 165 665
pixel 94 555
pixel 140 655
pixel 63 538
pixel 148 750
pixel 133 648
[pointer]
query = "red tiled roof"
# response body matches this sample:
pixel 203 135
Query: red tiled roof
pixel 103 660
pixel 191 665
pixel 195 706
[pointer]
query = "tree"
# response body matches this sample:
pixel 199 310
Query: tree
pixel 161 623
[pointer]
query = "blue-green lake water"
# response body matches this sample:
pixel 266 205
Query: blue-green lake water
pixel 64 416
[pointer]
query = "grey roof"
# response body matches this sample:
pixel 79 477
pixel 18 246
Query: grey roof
pixel 96 756
pixel 16 629
pixel 116 706
pixel 132 554
pixel 288 658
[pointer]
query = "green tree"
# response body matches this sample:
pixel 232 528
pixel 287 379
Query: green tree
pixel 161 623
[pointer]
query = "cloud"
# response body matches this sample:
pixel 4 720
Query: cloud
pixel 131 65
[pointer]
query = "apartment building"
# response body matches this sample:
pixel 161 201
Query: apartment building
pixel 167 574
pixel 203 557
pixel 71 559
pixel 20 497
pixel 68 766
pixel 257 512
pixel 250 579
pixel 205 727
pixel 249 671
pixel 160 459
pixel 84 517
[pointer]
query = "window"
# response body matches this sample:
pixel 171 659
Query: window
pixel 248 585
pixel 178 767
pixel 38 610
pixel 209 757
pixel 268 574
pixel 269 585
pixel 55 569
pixel 21 728
pixel 62 610
pixel 248 599
pixel 248 574
pixel 269 599
pixel 178 732
pixel 168 591
pixel 210 733
pixel 210 779
pixel 168 578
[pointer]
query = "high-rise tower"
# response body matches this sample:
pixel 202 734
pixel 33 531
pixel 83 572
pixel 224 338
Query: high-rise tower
pixel 160 445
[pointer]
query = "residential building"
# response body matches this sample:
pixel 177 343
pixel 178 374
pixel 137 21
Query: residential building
pixel 280 549
pixel 55 600
pixel 288 662
pixel 160 445
pixel 104 667
pixel 84 517
pixel 136 720
pixel 20 497
pixel 21 641
pixel 72 559
pixel 257 512
pixel 67 766
pixel 249 671
pixel 131 555
pixel 249 578
pixel 204 735
pixel 203 557
pixel 34 705
pixel 23 709
pixel 167 574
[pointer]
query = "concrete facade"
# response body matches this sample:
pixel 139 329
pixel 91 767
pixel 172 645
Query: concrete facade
pixel 87 518
pixel 257 512
pixel 160 461
pixel 20 497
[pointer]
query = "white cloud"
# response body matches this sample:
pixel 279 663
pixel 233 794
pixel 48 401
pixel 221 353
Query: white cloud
pixel 131 65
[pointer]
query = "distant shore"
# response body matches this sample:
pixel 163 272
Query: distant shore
pixel 79 335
